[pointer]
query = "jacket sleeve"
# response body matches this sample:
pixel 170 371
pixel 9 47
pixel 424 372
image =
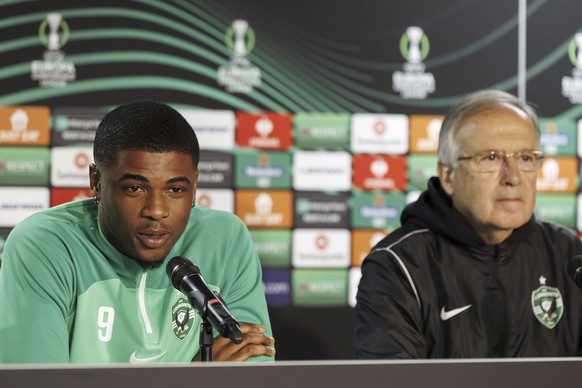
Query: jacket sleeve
pixel 389 320
pixel 34 299
pixel 246 296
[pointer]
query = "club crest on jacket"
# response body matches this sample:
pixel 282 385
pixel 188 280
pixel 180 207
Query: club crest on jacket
pixel 182 318
pixel 547 304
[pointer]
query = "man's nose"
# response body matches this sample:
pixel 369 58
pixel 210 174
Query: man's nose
pixel 511 173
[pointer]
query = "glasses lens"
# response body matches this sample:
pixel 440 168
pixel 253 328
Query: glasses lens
pixel 527 161
pixel 487 161
pixel 492 160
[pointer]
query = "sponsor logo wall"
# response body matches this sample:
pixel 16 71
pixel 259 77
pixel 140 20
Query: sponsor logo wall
pixel 316 190
pixel 316 144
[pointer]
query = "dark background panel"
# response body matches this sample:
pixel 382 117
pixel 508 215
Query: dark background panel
pixel 313 333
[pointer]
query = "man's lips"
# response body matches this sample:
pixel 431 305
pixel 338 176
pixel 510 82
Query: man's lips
pixel 153 238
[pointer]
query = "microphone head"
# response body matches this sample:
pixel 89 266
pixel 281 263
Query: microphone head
pixel 179 267
pixel 574 269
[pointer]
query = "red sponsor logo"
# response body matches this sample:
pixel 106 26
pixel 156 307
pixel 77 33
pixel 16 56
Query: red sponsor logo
pixel 64 195
pixel 269 131
pixel 379 172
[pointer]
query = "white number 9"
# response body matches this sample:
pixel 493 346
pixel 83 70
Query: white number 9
pixel 105 317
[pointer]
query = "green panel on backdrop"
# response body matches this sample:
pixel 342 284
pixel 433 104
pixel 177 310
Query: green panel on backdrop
pixel 263 170
pixel 24 166
pixel 377 210
pixel 322 130
pixel 420 168
pixel 558 208
pixel 319 287
pixel 273 247
pixel 558 136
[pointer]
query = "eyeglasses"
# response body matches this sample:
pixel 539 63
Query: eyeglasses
pixel 493 160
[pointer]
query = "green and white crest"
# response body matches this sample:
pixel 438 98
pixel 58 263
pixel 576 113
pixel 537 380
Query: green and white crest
pixel 547 304
pixel 182 318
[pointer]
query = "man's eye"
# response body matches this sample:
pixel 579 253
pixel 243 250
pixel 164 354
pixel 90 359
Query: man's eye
pixel 133 189
pixel 177 190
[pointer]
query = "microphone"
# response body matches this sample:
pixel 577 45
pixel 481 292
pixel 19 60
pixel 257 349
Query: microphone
pixel 574 269
pixel 186 278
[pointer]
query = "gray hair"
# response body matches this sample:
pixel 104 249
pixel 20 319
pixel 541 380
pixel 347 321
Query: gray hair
pixel 448 149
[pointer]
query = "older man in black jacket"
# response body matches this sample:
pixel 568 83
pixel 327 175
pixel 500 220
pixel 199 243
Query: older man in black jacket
pixel 471 272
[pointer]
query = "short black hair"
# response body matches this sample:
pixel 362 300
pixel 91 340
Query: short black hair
pixel 145 126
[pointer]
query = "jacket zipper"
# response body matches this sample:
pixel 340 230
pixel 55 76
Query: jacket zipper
pixel 498 262
pixel 142 305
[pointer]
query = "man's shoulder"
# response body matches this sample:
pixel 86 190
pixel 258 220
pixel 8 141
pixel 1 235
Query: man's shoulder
pixel 405 237
pixel 554 233
pixel 204 216
pixel 59 219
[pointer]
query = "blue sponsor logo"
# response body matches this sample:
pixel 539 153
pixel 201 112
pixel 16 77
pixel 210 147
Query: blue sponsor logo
pixel 276 283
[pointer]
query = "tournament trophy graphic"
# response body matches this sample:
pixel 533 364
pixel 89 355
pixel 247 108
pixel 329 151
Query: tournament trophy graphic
pixel 240 28
pixel 414 36
pixel 578 38
pixel 414 82
pixel 53 70
pixel 54 21
pixel 239 76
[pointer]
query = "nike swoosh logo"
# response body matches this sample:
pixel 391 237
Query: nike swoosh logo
pixel 445 315
pixel 133 359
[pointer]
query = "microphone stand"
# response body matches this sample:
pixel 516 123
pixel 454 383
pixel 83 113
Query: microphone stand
pixel 206 339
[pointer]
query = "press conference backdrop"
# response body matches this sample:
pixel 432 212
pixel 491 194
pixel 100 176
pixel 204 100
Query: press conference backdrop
pixel 318 120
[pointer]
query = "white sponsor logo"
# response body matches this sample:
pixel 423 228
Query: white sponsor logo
pixel 134 359
pixel 446 315
pixel 321 248
pixel 70 166
pixel 322 171
pixel 380 133
pixel 219 199
pixel 214 129
pixel 17 203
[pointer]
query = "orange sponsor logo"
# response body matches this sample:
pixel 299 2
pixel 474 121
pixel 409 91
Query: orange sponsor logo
pixel 265 208
pixel 558 174
pixel 25 125
pixel 424 133
pixel 362 242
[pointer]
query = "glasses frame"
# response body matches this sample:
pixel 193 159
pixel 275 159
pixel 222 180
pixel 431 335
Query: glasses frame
pixel 539 155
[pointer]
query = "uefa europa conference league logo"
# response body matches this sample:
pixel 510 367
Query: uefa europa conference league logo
pixel 239 76
pixel 572 86
pixel 53 70
pixel 413 82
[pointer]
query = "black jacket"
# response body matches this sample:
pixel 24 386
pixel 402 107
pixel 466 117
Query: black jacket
pixel 434 289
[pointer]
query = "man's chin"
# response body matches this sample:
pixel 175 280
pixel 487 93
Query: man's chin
pixel 149 263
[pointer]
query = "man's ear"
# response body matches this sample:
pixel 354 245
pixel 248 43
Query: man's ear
pixel 447 176
pixel 196 176
pixel 94 181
